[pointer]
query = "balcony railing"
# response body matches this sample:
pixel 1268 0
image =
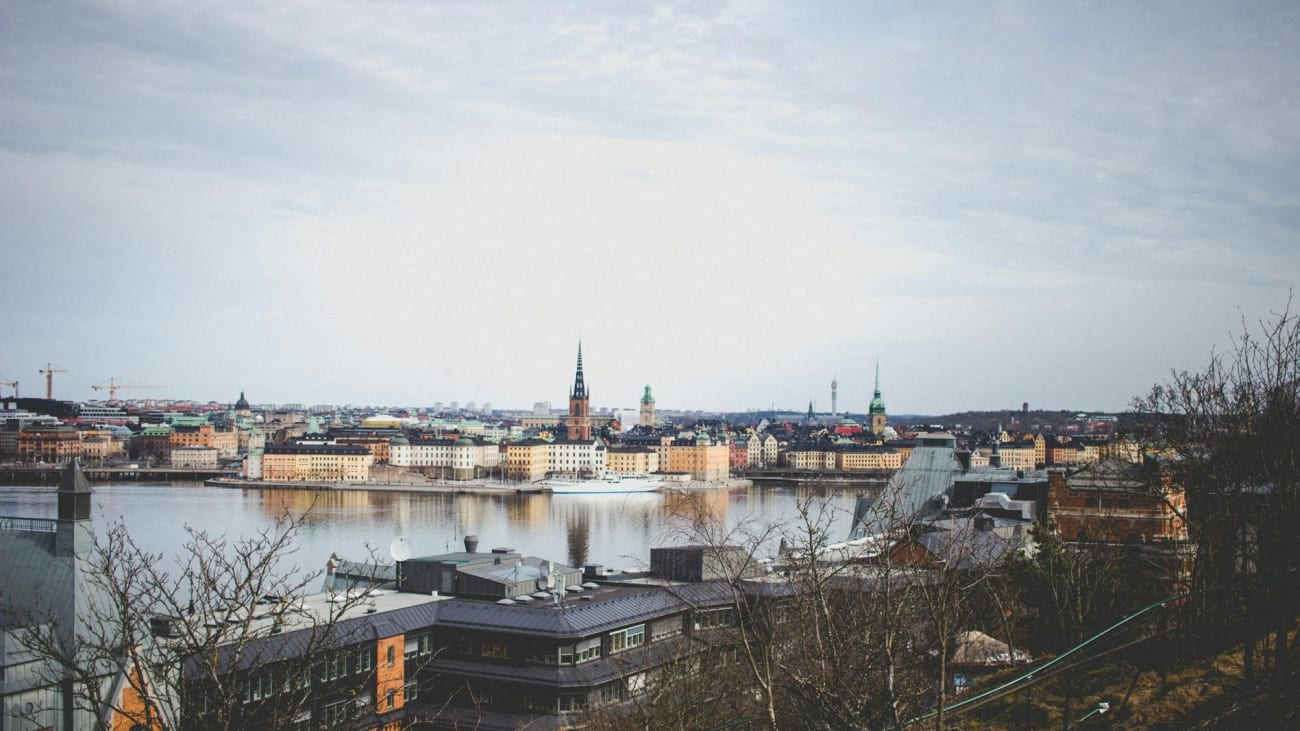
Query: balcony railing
pixel 29 525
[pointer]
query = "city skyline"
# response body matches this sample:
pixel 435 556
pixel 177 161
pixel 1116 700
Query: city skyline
pixel 401 204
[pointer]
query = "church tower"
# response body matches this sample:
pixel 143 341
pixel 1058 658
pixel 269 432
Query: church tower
pixel 877 408
pixel 835 404
pixel 647 408
pixel 579 405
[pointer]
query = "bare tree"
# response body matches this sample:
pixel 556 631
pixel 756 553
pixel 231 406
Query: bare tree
pixel 193 635
pixel 1232 435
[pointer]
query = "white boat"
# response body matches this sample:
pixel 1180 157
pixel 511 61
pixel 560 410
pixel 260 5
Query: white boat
pixel 609 484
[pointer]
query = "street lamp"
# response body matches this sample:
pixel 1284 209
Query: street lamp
pixel 1101 708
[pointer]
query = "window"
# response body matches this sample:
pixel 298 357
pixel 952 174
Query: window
pixel 258 687
pixel 334 668
pixel 494 649
pixel 364 661
pixel 665 628
pixel 610 692
pixel 336 712
pixel 711 618
pixel 419 645
pixel 571 703
pixel 626 639
pixel 392 655
pixel 391 699
pixel 586 651
pixel 411 690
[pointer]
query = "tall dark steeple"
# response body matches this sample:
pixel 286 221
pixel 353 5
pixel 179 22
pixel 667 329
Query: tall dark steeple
pixel 579 405
pixel 579 388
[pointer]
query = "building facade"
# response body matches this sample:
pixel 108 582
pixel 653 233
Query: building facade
pixel 631 460
pixel 316 462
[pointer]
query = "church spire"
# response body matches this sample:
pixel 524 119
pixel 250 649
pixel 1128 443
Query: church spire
pixel 579 387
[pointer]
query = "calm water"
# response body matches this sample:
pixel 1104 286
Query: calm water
pixel 614 530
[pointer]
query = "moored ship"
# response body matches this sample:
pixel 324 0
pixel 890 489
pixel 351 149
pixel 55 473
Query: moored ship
pixel 608 484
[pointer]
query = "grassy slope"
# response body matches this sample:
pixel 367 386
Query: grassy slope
pixel 1209 694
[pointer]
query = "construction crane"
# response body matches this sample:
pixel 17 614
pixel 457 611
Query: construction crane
pixel 11 384
pixel 48 371
pixel 113 387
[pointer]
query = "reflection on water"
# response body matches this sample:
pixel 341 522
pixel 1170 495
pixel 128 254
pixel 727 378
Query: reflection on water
pixel 613 530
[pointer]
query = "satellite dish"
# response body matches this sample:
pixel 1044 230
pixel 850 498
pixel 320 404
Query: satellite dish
pixel 400 549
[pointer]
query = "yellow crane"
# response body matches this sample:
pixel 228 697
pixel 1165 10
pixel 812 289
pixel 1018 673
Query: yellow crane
pixel 113 387
pixel 48 371
pixel 11 384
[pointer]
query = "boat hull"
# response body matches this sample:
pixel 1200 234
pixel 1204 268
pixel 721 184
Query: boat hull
pixel 608 486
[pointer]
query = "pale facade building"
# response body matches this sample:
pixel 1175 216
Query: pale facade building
pixel 324 462
pixel 195 458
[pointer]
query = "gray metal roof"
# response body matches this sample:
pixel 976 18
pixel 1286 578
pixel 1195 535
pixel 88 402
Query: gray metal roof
pixel 31 570
pixel 575 618
pixel 966 547
pixel 908 497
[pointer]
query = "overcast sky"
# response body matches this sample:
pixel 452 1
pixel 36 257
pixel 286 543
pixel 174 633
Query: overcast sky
pixel 403 202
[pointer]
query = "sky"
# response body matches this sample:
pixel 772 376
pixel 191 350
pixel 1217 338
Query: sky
pixel 399 203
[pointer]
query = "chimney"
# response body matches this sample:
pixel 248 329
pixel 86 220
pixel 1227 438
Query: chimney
pixel 471 544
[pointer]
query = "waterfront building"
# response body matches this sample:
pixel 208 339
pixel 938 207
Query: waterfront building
pixel 700 457
pixel 198 458
pixel 13 421
pixel 764 449
pixel 190 432
pixel 54 444
pixel 809 458
pixel 316 462
pixel 527 460
pixel 462 459
pixel 576 457
pixel 631 460
pixel 738 454
pixel 154 442
pixel 647 416
pixel 868 457
pixel 579 422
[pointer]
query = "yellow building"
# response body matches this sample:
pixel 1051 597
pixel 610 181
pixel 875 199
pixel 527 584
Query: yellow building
pixel 100 444
pixel 527 460
pixel 701 458
pixel 631 460
pixel 810 459
pixel 868 458
pixel 317 462
pixel 41 443
pixel 1018 455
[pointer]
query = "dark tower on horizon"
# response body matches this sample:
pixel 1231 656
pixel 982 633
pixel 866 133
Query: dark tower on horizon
pixel 579 405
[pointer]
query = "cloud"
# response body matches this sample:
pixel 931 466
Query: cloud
pixel 730 202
